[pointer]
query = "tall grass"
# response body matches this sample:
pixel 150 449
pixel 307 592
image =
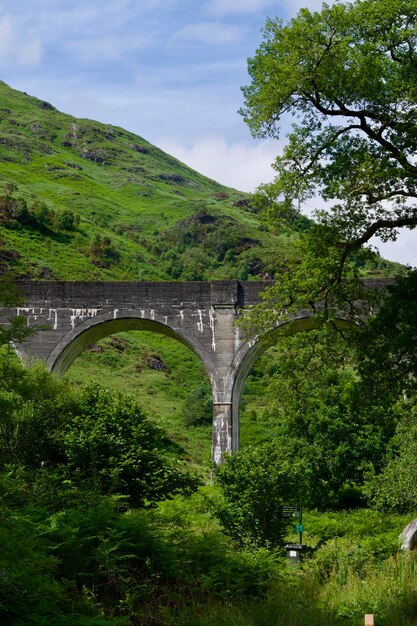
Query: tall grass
pixel 387 589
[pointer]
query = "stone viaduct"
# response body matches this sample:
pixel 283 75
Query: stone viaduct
pixel 70 316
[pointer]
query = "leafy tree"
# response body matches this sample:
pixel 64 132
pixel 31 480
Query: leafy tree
pixel 395 487
pixel 104 251
pixel 198 405
pixel 348 75
pixel 255 484
pixel 95 440
pixel 319 413
pixel 388 345
pixel 66 220
pixel 111 443
pixel 337 397
pixel 387 348
pixel 41 215
pixel 17 328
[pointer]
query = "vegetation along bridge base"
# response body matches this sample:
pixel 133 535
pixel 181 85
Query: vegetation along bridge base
pixel 70 316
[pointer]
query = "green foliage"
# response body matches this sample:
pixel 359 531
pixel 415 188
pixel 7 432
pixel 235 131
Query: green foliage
pixel 255 484
pixel 394 488
pixel 317 411
pixel 343 77
pixel 76 556
pixel 347 73
pixel 388 344
pixel 387 590
pixel 109 442
pixel 16 330
pixel 198 405
pixel 104 251
pixel 66 220
pixel 96 440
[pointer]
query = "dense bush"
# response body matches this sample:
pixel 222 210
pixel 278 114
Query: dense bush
pixel 198 405
pixel 255 484
pixel 109 442
pixel 15 212
pixel 395 487
pixel 104 252
pixel 94 439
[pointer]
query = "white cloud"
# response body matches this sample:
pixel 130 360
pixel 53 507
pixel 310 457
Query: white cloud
pixel 210 32
pixel 283 8
pixel 241 165
pixel 228 7
pixel 104 48
pixel 293 6
pixel 18 45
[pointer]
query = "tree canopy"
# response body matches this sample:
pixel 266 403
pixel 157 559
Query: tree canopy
pixel 347 76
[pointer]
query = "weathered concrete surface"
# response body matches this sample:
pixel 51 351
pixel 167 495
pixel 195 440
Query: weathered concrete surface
pixel 70 316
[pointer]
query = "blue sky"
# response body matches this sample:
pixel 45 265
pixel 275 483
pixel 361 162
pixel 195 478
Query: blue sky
pixel 168 70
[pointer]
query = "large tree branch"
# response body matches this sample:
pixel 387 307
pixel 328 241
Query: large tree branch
pixel 343 110
pixel 326 144
pixel 372 229
pixel 373 199
pixel 389 146
pixel 362 115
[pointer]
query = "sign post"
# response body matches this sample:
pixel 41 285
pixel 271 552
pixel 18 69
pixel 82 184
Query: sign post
pixel 294 549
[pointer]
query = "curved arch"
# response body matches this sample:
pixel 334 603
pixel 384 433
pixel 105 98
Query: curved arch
pixel 96 328
pixel 250 352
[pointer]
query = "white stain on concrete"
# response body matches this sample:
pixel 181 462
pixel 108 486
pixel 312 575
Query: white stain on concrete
pixel 115 312
pixel 212 327
pixel 53 315
pixel 200 325
pixel 237 339
pixel 221 432
pixel 27 311
pixel 81 314
pixel 152 314
pixel 182 316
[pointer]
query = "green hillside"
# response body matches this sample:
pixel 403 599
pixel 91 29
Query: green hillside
pixel 80 199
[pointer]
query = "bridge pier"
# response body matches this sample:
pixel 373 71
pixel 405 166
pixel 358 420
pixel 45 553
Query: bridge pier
pixel 222 438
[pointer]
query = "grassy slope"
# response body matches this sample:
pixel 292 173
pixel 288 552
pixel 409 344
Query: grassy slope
pixel 123 366
pixel 123 188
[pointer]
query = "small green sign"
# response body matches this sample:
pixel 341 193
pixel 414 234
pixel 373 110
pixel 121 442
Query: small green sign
pixel 299 528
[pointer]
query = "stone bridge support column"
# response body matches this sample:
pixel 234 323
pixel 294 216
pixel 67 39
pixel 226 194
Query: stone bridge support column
pixel 222 431
pixel 226 342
